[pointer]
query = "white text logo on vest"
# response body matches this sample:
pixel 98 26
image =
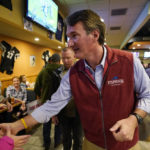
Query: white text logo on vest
pixel 115 81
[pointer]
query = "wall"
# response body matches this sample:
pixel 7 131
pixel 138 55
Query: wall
pixel 22 64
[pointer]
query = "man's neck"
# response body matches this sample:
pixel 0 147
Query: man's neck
pixel 95 57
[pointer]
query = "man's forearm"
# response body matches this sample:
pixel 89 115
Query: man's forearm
pixel 18 125
pixel 140 112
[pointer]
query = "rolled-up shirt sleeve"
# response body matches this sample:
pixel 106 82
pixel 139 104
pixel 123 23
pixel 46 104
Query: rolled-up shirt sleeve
pixel 58 101
pixel 142 86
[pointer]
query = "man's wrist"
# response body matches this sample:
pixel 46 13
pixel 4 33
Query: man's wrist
pixel 138 117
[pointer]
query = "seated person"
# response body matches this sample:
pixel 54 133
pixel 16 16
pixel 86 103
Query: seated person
pixel 4 103
pixel 24 82
pixel 18 93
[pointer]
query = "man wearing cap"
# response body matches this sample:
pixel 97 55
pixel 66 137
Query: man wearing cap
pixel 46 84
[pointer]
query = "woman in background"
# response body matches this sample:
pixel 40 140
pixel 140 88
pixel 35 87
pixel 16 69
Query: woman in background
pixel 23 81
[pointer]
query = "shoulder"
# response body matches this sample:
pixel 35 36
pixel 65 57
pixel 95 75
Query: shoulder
pixel 10 87
pixel 79 65
pixel 23 88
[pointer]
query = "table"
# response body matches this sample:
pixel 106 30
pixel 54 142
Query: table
pixel 16 103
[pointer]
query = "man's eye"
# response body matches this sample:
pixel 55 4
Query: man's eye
pixel 74 35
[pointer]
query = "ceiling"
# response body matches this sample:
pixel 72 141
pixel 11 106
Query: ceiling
pixel 119 16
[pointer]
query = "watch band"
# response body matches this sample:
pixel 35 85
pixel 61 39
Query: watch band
pixel 138 117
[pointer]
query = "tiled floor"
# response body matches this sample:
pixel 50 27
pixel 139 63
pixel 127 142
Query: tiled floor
pixel 36 140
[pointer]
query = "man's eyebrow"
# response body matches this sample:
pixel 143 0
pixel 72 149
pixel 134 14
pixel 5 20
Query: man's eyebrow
pixel 73 32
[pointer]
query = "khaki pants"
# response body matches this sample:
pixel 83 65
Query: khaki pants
pixel 87 145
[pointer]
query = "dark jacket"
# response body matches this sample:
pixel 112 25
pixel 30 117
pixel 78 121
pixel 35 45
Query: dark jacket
pixel 115 101
pixel 47 82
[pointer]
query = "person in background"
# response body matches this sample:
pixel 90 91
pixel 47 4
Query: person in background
pixel 4 103
pixel 10 141
pixel 103 83
pixel 148 70
pixel 18 92
pixel 69 117
pixel 5 116
pixel 46 84
pixel 23 81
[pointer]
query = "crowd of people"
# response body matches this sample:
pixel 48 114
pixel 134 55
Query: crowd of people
pixel 106 93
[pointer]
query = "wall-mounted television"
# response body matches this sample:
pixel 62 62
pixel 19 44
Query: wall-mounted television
pixel 42 12
pixel 146 54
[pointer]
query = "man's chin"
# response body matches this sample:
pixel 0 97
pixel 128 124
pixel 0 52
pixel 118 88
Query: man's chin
pixel 78 56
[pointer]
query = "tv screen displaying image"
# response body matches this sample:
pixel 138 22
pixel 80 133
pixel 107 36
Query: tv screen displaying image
pixel 43 12
pixel 146 54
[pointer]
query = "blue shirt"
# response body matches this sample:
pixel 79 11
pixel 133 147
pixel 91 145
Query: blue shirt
pixel 62 96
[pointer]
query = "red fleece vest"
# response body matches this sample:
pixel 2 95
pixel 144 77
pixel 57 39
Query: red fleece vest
pixel 116 98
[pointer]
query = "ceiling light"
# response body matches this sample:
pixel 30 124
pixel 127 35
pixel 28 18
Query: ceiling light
pixel 36 39
pixel 59 47
pixel 138 44
pixel 133 47
pixel 102 20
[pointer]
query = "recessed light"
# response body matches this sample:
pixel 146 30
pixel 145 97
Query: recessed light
pixel 59 47
pixel 102 20
pixel 133 47
pixel 36 39
pixel 138 44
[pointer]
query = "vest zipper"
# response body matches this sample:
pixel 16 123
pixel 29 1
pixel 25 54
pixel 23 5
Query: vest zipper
pixel 103 125
pixel 100 94
pixel 89 78
pixel 102 110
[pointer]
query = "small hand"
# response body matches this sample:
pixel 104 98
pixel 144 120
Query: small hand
pixel 9 107
pixel 23 106
pixel 11 126
pixel 18 140
pixel 55 120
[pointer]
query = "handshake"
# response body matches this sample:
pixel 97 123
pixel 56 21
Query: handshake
pixel 10 141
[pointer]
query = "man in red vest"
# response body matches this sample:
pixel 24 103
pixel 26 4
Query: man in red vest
pixel 104 84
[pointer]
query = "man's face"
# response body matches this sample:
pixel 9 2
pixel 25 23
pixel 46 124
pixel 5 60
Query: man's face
pixel 16 82
pixel 68 58
pixel 79 40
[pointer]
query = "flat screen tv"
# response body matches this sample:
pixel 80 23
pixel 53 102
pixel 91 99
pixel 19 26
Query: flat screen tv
pixel 43 12
pixel 146 54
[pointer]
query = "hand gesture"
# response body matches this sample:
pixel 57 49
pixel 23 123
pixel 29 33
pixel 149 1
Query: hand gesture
pixel 18 140
pixel 55 120
pixel 123 130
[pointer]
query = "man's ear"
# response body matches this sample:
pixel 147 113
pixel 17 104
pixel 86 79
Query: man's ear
pixel 96 34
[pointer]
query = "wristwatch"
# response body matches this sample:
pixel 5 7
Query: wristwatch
pixel 138 117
